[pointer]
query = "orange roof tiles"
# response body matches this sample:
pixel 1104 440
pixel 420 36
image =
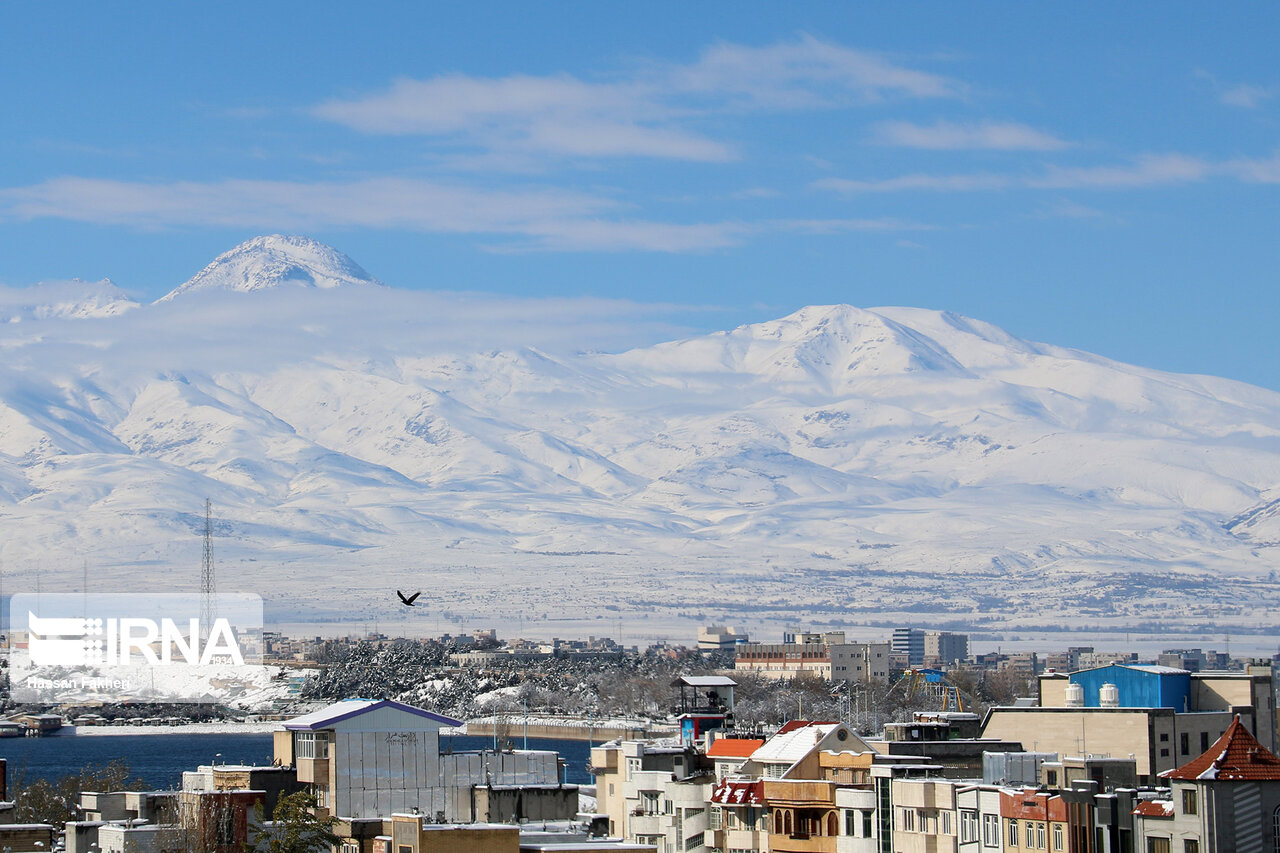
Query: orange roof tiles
pixel 733 747
pixel 1155 808
pixel 1235 757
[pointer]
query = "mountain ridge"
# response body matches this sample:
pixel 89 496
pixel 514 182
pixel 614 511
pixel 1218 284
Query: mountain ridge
pixel 840 462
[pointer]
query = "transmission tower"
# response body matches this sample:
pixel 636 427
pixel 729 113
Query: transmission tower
pixel 206 574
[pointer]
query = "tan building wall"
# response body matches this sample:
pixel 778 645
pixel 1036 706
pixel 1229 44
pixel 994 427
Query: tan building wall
pixel 1083 731
pixel 1153 737
pixel 409 834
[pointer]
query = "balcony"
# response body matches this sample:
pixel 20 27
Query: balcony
pixel 313 770
pixel 802 842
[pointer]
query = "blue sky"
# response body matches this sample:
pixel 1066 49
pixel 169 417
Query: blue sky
pixel 1095 175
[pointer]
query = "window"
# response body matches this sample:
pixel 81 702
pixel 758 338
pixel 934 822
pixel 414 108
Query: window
pixel 1051 778
pixel 968 826
pixel 311 744
pixel 1164 753
pixel 850 822
pixel 1040 836
pixel 1184 741
pixel 714 818
pixel 1158 845
pixel 1013 833
pixel 1204 741
pixel 909 820
pixel 1188 802
pixel 1031 836
pixel 1164 737
pixel 867 815
pixel 649 802
pixel 1057 837
pixel 946 823
pixel 693 842
pixel 1190 846
pixel 991 830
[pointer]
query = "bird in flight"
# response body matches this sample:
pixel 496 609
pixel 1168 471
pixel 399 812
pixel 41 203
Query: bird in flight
pixel 408 602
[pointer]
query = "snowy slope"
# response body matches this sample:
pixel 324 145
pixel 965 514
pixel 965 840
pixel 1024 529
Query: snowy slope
pixel 836 464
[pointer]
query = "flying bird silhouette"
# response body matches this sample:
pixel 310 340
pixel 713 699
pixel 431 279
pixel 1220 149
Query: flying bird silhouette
pixel 408 602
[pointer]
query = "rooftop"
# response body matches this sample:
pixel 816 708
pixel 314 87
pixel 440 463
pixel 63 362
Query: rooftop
pixel 348 708
pixel 1235 757
pixel 733 747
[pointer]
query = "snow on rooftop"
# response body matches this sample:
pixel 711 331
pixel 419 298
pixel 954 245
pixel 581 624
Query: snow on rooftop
pixel 708 681
pixel 793 745
pixel 348 708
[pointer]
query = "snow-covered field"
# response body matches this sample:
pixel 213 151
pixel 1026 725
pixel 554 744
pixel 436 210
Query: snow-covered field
pixel 835 466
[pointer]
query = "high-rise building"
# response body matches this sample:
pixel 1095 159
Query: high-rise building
pixel 909 642
pixel 942 648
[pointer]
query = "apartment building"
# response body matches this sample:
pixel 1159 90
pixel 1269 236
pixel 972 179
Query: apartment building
pixel 944 648
pixel 1159 715
pixel 827 656
pixel 368 759
pixel 1227 798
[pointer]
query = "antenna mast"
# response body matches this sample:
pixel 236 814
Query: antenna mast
pixel 206 574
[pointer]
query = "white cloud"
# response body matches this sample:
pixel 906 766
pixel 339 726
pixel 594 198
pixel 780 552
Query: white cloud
pixel 1253 171
pixel 839 226
pixel 946 135
pixel 550 219
pixel 558 115
pixel 1147 171
pixel 805 73
pixel 1246 96
pixel 375 202
pixel 641 115
pixel 917 181
pixel 1066 209
pixel 1155 170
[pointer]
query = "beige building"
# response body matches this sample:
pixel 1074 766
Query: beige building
pixel 1227 798
pixel 944 648
pixel 1121 725
pixel 826 656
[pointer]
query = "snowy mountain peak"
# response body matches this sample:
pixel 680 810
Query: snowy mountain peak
pixel 64 300
pixel 828 346
pixel 274 261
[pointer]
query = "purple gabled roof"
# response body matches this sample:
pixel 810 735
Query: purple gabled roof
pixel 345 710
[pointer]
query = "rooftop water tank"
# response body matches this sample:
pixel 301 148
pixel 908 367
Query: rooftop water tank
pixel 1109 696
pixel 1075 696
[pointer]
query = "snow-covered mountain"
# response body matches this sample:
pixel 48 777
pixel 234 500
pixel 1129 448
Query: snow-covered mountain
pixel 836 465
pixel 274 261
pixel 64 300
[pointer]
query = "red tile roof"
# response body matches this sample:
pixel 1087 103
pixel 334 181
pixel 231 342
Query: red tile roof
pixel 1155 808
pixel 734 747
pixel 738 793
pixel 1235 757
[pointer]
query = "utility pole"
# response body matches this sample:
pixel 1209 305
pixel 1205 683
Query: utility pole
pixel 206 574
